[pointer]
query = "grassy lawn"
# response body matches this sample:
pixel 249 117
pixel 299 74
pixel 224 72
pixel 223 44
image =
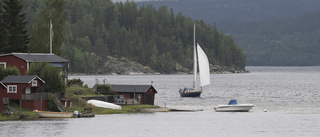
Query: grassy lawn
pixel 15 115
pixel 124 109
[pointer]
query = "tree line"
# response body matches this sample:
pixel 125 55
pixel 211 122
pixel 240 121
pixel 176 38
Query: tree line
pixel 86 32
pixel 288 42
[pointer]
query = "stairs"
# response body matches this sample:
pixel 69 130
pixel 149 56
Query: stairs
pixel 59 105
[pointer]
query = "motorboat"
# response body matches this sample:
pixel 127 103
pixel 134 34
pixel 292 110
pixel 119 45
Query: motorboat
pixel 233 106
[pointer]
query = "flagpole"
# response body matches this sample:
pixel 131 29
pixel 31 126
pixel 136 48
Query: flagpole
pixel 50 36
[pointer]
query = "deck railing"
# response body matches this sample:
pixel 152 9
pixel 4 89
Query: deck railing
pixel 38 96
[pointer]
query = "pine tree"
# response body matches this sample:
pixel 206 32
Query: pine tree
pixel 13 33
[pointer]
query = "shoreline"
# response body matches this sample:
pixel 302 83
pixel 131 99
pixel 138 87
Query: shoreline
pixel 157 73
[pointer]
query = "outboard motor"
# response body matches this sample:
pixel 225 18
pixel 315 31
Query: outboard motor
pixel 75 114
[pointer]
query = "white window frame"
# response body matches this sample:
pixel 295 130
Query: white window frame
pixel 12 88
pixel 34 83
pixel 4 64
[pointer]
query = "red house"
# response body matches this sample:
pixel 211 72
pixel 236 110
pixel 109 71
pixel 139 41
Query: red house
pixel 3 89
pixel 23 61
pixel 22 89
pixel 144 93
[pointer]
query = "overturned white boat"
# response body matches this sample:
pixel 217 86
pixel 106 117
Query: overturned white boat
pixel 233 106
pixel 103 104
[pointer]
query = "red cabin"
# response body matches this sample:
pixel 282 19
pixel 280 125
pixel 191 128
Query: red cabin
pixel 23 61
pixel 21 88
pixel 144 93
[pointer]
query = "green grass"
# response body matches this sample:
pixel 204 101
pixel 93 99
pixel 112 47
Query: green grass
pixel 16 114
pixel 87 91
pixel 124 109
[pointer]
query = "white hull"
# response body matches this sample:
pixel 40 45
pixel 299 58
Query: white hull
pixel 103 104
pixel 234 108
pixel 47 114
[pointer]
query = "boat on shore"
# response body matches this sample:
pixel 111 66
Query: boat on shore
pixel 49 114
pixel 104 104
pixel 233 106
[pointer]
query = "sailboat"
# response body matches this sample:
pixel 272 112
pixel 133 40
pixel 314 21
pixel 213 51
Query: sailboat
pixel 199 58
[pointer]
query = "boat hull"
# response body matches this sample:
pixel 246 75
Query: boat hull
pixel 104 104
pixel 190 94
pixel 234 108
pixel 48 114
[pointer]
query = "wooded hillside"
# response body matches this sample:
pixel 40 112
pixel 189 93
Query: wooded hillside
pixel 270 32
pixel 157 38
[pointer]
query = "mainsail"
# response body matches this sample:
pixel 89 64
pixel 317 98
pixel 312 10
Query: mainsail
pixel 203 67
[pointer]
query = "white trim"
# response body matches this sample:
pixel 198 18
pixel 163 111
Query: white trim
pixel 4 64
pixel 27 65
pixel 34 83
pixel 12 89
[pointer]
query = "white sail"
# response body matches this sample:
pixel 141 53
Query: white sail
pixel 203 67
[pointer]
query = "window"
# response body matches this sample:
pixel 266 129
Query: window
pixel 12 88
pixel 2 64
pixel 34 82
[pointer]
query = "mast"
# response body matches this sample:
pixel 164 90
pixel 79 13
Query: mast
pixel 50 36
pixel 194 57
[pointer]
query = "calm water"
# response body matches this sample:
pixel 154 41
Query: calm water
pixel 290 94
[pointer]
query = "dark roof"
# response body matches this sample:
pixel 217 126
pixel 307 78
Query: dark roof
pixel 38 57
pixel 3 85
pixel 132 88
pixel 20 79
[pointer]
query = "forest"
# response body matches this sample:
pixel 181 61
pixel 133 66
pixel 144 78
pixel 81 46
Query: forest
pixel 273 32
pixel 287 42
pixel 87 32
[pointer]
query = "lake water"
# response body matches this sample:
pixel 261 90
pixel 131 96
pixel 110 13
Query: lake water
pixel 290 94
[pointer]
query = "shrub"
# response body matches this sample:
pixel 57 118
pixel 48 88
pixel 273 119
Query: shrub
pixel 105 90
pixel 4 72
pixel 51 104
pixel 74 81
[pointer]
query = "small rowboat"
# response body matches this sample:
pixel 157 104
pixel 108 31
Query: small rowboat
pixel 48 114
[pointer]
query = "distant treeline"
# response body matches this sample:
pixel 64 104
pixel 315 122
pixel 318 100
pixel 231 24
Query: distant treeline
pixel 272 32
pixel 157 38
pixel 288 42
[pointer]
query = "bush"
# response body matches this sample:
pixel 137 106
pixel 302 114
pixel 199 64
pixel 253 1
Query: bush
pixel 4 72
pixel 105 90
pixel 74 81
pixel 51 75
pixel 51 104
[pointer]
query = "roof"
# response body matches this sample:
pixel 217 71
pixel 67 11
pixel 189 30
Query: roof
pixel 20 79
pixel 3 85
pixel 132 88
pixel 38 57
